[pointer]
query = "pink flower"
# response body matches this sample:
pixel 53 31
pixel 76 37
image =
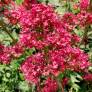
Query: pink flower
pixel 87 77
pixel 7 53
pixel 89 19
pixel 32 68
pixel 16 50
pixel 50 86
pixel 84 4
pixel 65 81
pixel 4 55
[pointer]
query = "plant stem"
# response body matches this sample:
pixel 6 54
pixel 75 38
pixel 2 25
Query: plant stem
pixel 68 5
pixel 60 86
pixel 84 38
pixel 90 7
pixel 4 27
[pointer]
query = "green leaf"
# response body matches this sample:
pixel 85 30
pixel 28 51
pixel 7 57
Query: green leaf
pixel 42 0
pixel 24 87
pixel 33 88
pixel 21 76
pixel 90 68
pixel 61 76
pixel 14 64
pixel 54 2
pixel 60 10
pixel 19 2
pixel 14 34
pixel 75 87
pixel 73 79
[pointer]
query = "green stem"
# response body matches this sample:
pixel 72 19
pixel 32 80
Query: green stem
pixel 90 7
pixel 84 38
pixel 68 6
pixel 4 27
pixel 61 88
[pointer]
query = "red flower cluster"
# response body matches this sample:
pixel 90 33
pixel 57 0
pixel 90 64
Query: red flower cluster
pixel 4 55
pixel 84 18
pixel 50 86
pixel 87 77
pixel 43 29
pixel 70 21
pixel 4 2
pixel 84 4
pixel 33 68
pixel 8 53
pixel 27 3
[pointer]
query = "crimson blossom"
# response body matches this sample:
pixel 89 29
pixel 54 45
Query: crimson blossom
pixel 84 4
pixel 7 53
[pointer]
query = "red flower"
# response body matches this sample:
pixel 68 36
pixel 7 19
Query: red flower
pixel 28 3
pixel 87 77
pixel 84 4
pixel 50 86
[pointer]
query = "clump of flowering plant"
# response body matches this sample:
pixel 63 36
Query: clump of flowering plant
pixel 55 46
pixel 55 43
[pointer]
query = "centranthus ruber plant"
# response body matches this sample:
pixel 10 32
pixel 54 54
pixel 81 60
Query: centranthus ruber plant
pixel 57 60
pixel 55 46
